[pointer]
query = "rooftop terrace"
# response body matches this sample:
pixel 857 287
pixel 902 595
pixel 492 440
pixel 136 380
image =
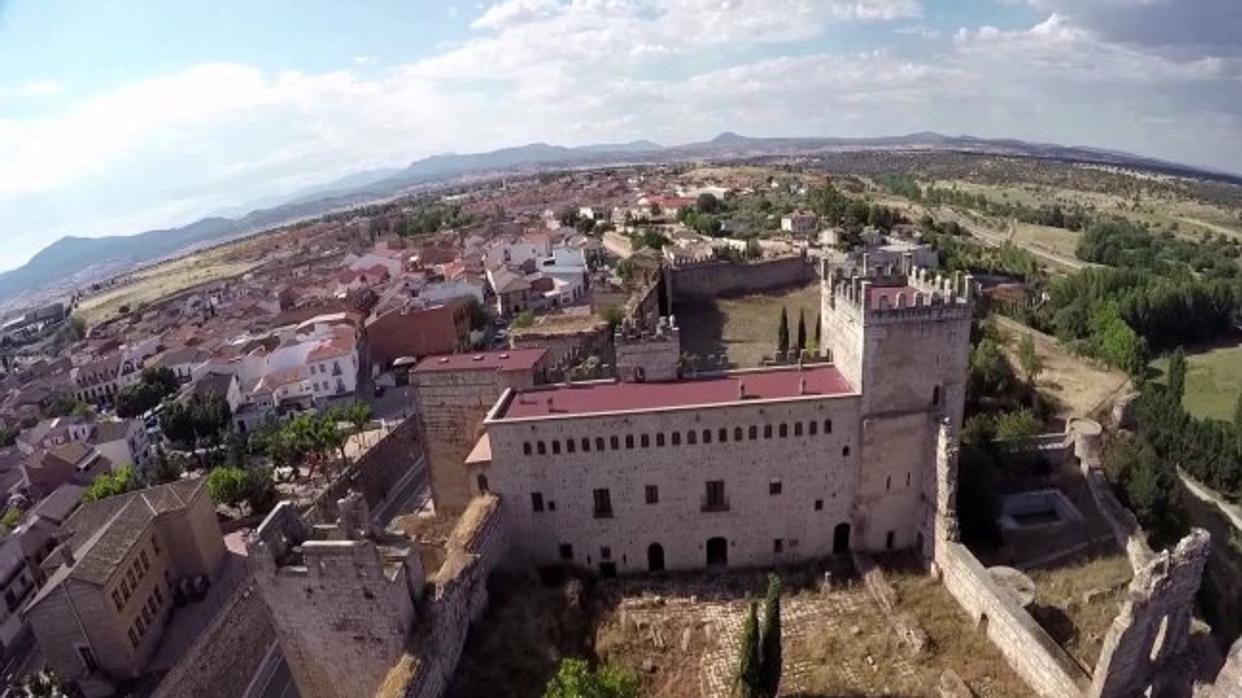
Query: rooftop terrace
pixel 785 382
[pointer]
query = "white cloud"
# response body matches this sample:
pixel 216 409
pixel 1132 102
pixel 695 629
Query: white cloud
pixel 40 88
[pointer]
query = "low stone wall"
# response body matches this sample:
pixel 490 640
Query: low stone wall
pixel 475 548
pixel 1032 653
pixel 374 474
pixel 723 278
pixel 225 657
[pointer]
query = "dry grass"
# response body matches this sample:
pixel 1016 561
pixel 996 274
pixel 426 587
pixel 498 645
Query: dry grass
pixel 956 644
pixel 1076 387
pixel 154 283
pixel 1077 603
pixel 745 327
pixel 1056 240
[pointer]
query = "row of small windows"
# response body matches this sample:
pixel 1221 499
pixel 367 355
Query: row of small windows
pixel 714 498
pixel 692 437
pixel 150 609
pixel 132 576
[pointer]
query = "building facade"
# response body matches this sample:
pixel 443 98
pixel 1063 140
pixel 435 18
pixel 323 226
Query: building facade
pixel 748 468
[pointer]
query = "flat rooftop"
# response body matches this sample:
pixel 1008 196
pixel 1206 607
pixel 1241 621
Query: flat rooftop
pixel 822 380
pixel 507 360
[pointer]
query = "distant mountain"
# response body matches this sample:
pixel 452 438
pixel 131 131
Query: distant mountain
pixel 76 258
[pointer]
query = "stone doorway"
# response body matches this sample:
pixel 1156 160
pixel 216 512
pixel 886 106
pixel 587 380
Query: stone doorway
pixel 717 552
pixel 841 539
pixel 655 558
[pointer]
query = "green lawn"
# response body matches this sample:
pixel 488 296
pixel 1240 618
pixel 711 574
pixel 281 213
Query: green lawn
pixel 1213 381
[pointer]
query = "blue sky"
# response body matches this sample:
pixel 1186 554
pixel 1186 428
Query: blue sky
pixel 121 117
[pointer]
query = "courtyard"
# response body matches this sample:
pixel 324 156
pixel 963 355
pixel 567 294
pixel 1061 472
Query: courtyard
pixel 744 328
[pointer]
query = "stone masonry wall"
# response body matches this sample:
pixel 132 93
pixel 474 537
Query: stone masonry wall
pixel 226 655
pixel 724 278
pixel 475 548
pixel 374 474
pixel 1032 653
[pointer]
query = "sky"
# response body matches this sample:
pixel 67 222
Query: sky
pixel 117 118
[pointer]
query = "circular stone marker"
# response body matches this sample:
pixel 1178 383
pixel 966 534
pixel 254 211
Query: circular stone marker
pixel 1016 583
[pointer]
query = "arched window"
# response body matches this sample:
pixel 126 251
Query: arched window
pixel 599 443
pixel 737 433
pixel 615 442
pixel 556 447
pixel 812 427
pixel 845 451
pixel 722 435
pixel 797 428
pixel 586 444
pixel 644 440
pixel 691 437
pixel 541 448
pixel 783 431
pixel 827 426
pixel 767 431
pixel 707 436
pixel 569 445
pixel 677 438
pixel 754 432
pixel 629 441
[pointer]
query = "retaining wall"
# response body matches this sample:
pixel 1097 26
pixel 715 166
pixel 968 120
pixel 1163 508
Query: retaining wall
pixel 712 279
pixel 1032 653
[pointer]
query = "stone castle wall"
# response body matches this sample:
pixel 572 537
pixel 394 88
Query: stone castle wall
pixel 374 474
pixel 726 278
pixel 475 548
pixel 1032 653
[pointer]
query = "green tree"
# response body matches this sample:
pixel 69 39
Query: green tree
pixel 119 481
pixel 478 314
pixel 819 347
pixel 746 680
pixel 1017 424
pixel 524 319
pixel 1028 359
pixel 782 335
pixel 770 640
pixel 990 372
pixel 613 315
pixel 568 217
pixel 800 345
pixel 707 203
pixel 43 684
pixel 585 225
pixel 1177 375
pixel 227 485
pixel 166 468
pixel 574 679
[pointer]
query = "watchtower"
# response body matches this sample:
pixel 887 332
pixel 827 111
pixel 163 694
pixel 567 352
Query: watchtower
pixel 648 356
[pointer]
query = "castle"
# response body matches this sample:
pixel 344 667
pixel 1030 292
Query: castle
pixel 746 468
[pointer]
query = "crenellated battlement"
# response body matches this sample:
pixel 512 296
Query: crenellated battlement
pixel 889 296
pixel 648 356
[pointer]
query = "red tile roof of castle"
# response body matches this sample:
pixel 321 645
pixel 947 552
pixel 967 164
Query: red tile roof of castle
pixel 508 360
pixel 590 398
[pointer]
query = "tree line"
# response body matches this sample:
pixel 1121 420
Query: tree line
pixel 1054 216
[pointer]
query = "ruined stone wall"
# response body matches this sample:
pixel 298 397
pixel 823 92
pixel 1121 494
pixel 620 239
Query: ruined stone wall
pixel 374 474
pixel 225 657
pixel 1028 649
pixel 475 548
pixel 1153 625
pixel 726 278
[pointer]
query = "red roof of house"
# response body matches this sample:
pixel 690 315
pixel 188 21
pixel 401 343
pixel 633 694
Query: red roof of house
pixel 508 360
pixel 589 398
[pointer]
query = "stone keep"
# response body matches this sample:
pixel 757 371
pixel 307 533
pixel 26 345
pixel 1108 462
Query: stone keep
pixel 342 597
pixel 648 356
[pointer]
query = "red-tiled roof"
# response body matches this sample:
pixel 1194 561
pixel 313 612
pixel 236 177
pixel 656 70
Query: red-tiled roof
pixel 888 295
pixel 589 398
pixel 509 360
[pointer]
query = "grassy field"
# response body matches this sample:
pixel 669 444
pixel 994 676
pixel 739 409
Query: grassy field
pixel 1213 380
pixel 161 280
pixel 1075 386
pixel 744 327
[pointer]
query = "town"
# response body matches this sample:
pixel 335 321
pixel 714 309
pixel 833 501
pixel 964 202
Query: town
pixel 370 434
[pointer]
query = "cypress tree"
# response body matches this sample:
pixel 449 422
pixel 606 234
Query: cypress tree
pixel 801 331
pixel 1177 375
pixel 782 335
pixel 746 684
pixel 819 347
pixel 1237 426
pixel 770 640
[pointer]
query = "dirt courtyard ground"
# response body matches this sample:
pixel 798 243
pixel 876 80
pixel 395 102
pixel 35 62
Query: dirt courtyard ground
pixel 744 327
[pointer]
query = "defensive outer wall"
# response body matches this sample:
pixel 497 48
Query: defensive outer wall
pixel 711 279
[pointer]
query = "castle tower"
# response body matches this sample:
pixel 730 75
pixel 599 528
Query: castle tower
pixel 342 597
pixel 901 336
pixel 648 356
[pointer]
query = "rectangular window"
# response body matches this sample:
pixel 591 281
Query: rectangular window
pixel 812 428
pixel 556 447
pixel 753 432
pixel 629 441
pixel 890 540
pixel 88 658
pixel 797 428
pixel 599 443
pixel 653 494
pixel 536 501
pixel 586 445
pixel 569 445
pixel 774 487
pixel 603 504
pixel 146 615
pixel 819 505
pixel 605 553
pixel 117 600
pixel 690 437
pixel 677 438
pixel 778 545
pixel 567 551
pixel 714 499
pixel 659 439
pixel 644 440
pixel 541 448
pixel 767 431
pixel 159 596
pixel 615 442
pixel 707 436
pixel 133 637
pixel 783 432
